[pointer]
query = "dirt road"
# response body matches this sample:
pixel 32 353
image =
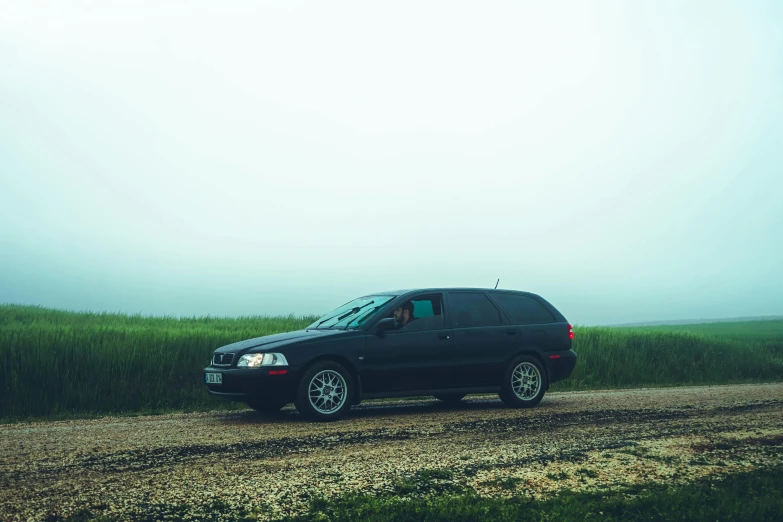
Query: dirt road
pixel 197 463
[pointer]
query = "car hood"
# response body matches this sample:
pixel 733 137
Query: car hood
pixel 278 340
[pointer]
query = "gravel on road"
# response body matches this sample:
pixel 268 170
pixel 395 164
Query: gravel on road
pixel 273 466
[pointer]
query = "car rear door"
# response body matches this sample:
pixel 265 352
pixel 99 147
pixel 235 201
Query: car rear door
pixel 419 356
pixel 483 339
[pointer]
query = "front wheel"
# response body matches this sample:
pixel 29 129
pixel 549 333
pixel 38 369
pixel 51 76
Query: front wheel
pixel 324 392
pixel 524 383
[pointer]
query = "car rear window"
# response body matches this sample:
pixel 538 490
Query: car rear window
pixel 522 309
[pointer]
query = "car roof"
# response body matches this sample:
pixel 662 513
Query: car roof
pixel 454 289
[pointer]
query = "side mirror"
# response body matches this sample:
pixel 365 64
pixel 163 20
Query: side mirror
pixel 385 324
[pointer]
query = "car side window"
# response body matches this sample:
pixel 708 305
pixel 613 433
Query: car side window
pixel 522 309
pixel 469 309
pixel 423 307
pixel 427 312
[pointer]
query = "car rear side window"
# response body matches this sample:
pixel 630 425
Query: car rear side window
pixel 522 309
pixel 472 309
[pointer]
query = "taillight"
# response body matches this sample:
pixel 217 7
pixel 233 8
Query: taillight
pixel 570 332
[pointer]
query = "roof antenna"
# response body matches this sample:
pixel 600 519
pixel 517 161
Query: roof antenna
pixel 496 284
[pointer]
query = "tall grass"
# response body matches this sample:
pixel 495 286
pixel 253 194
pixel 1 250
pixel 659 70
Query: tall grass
pixel 58 363
pixel 625 357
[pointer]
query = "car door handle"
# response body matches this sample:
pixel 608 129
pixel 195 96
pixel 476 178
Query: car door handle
pixel 444 336
pixel 511 332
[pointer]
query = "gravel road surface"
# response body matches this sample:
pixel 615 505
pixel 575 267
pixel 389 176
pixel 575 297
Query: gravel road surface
pixel 194 464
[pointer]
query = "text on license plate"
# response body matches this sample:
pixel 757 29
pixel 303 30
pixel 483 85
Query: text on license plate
pixel 213 378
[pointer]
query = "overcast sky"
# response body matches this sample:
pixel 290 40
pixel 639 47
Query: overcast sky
pixel 622 159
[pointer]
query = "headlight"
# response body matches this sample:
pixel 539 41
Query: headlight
pixel 255 360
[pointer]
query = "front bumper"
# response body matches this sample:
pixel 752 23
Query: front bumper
pixel 240 384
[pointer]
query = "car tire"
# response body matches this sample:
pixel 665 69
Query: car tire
pixel 524 382
pixel 450 398
pixel 265 406
pixel 325 392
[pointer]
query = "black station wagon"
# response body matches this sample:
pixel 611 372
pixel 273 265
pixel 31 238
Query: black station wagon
pixel 441 342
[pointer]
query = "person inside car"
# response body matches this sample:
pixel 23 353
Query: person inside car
pixel 404 314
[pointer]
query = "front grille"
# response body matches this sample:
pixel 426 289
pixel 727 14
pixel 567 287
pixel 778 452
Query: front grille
pixel 222 359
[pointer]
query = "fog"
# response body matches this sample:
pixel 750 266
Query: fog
pixel 622 159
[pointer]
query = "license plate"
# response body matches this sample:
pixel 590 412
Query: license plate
pixel 213 378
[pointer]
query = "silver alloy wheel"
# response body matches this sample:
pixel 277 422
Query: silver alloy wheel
pixel 327 392
pixel 526 381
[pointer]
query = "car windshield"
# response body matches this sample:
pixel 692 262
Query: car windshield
pixel 352 314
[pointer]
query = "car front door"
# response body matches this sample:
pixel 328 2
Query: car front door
pixel 483 339
pixel 418 356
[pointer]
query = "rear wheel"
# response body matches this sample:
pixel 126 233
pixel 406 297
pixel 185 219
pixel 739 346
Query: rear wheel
pixel 324 393
pixel 450 398
pixel 524 383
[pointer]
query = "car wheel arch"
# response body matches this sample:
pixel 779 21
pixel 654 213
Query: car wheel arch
pixel 532 353
pixel 344 362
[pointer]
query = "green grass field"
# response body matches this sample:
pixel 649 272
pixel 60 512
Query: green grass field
pixel 714 353
pixel 745 331
pixel 59 364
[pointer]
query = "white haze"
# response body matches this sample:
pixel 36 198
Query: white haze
pixel 622 159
